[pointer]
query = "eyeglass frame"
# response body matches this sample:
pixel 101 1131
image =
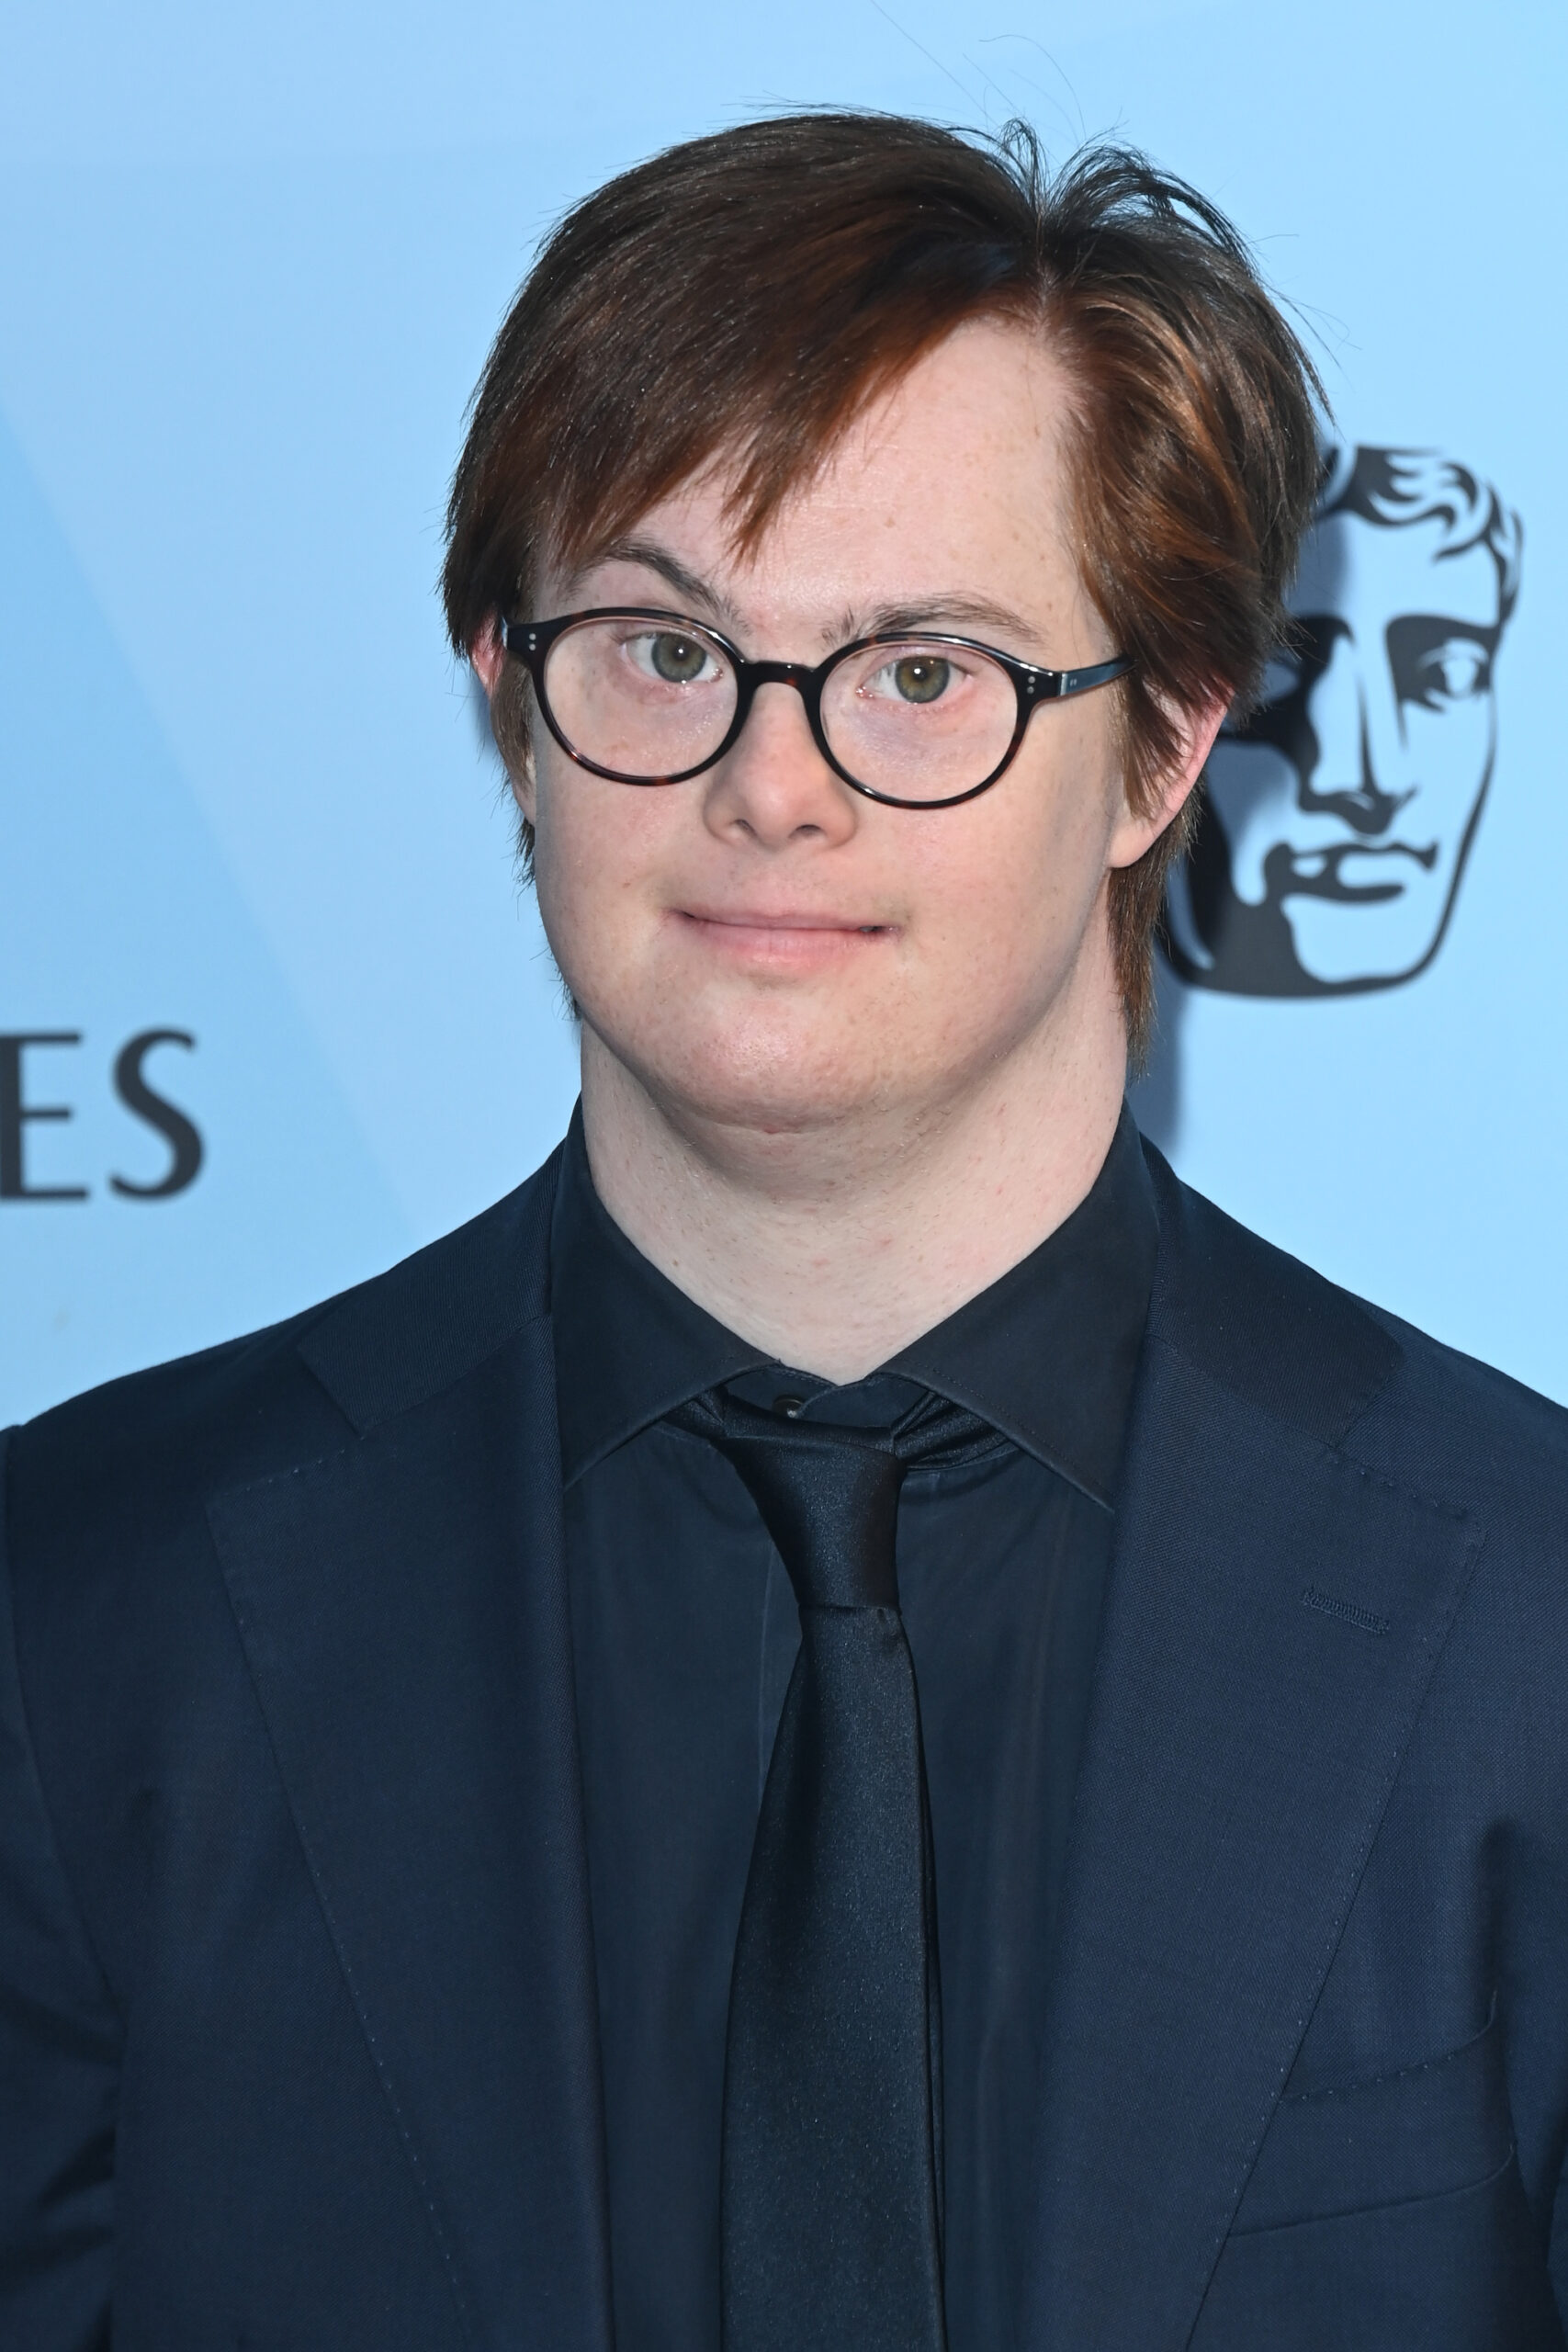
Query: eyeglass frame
pixel 530 642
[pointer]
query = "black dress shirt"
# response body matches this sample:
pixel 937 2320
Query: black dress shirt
pixel 684 1631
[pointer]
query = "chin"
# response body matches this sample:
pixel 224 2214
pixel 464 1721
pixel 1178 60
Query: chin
pixel 771 1072
pixel 770 1093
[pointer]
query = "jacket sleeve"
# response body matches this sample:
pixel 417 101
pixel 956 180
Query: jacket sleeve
pixel 59 2038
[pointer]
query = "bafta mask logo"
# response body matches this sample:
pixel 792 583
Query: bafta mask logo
pixel 1338 816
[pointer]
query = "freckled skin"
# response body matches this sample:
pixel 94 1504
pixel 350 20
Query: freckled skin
pixel 844 1064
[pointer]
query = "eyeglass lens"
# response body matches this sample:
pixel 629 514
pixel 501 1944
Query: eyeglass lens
pixel 914 720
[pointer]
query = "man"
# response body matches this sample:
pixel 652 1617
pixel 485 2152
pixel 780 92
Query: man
pixel 852 1720
pixel 1339 814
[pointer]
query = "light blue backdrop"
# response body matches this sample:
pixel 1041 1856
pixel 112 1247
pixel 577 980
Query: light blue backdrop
pixel 250 262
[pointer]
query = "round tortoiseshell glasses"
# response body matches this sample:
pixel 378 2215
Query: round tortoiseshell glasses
pixel 922 720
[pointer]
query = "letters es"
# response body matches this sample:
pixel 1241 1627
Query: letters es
pixel 24 1103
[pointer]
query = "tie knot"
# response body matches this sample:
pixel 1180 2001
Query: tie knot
pixel 827 1492
pixel 828 1497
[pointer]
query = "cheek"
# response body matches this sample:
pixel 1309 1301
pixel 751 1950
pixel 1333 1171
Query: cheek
pixel 593 843
pixel 1022 875
pixel 1251 788
pixel 1447 756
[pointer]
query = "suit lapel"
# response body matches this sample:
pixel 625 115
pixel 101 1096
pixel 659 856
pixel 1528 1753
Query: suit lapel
pixel 1243 1741
pixel 403 1609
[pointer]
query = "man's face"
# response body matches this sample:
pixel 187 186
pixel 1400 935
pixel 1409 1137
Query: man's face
pixel 760 945
pixel 1340 817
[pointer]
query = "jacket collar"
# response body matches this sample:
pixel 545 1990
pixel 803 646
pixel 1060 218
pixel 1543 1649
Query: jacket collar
pixel 404 1338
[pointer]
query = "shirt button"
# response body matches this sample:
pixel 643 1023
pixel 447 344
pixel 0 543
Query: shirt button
pixel 789 1408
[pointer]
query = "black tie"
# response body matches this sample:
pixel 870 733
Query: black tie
pixel 832 2098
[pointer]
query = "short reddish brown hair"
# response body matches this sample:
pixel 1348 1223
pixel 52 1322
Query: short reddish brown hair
pixel 744 296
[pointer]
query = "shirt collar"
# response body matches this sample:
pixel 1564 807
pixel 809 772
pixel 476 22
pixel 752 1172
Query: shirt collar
pixel 629 1346
pixel 1047 1354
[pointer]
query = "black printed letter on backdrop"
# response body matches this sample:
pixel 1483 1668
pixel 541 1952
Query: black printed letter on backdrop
pixel 16 1112
pixel 184 1142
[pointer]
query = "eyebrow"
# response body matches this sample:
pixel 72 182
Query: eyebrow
pixel 654 557
pixel 954 610
pixel 946 607
pixel 1330 624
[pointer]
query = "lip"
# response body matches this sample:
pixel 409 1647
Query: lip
pixel 1325 860
pixel 1355 845
pixel 784 938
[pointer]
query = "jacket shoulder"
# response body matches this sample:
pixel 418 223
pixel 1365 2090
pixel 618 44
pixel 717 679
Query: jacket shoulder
pixel 1462 1424
pixel 1270 1328
pixel 139 1451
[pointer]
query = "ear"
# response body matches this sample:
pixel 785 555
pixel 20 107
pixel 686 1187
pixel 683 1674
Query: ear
pixel 1135 833
pixel 486 654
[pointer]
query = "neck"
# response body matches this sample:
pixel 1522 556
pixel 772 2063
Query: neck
pixel 835 1247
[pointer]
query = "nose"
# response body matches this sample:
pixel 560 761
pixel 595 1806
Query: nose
pixel 1342 776
pixel 774 786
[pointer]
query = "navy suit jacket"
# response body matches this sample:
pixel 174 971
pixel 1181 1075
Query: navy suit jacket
pixel 297 2044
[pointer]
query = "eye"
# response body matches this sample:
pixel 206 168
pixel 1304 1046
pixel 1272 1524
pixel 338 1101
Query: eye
pixel 670 655
pixel 1453 672
pixel 915 677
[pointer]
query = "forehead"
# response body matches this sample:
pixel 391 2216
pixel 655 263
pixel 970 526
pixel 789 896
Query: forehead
pixel 953 479
pixel 1367 570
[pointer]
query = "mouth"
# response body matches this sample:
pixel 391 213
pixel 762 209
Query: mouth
pixel 1352 870
pixel 782 940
